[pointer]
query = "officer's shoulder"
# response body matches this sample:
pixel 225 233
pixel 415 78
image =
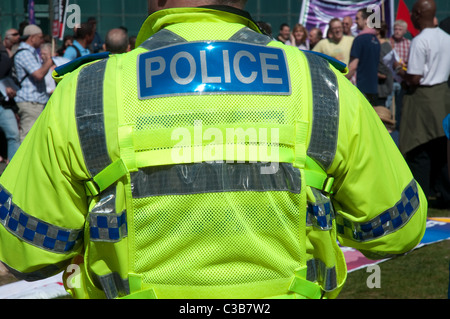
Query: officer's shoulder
pixel 340 66
pixel 71 66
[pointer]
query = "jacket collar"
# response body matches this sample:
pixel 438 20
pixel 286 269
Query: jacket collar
pixel 161 19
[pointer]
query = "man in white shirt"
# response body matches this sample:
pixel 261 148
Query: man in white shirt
pixel 31 71
pixel 422 138
pixel 429 56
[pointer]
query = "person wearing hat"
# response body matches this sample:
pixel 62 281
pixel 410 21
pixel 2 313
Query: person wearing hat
pixel 32 96
pixel 386 117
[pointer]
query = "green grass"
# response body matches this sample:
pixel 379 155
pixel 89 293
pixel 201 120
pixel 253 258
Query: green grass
pixel 421 274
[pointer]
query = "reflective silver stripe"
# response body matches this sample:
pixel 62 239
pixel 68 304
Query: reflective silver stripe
pixel 201 178
pixel 43 273
pixel 108 227
pixel 105 225
pixel 114 286
pixel 318 272
pixel 384 224
pixel 35 231
pixel 162 39
pixel 323 143
pixel 166 37
pixel 320 214
pixel 90 117
pixel 247 35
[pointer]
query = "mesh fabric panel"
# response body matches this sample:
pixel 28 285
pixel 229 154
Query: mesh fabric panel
pixel 218 238
pixel 215 239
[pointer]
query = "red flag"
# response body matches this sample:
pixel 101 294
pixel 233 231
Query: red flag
pixel 403 14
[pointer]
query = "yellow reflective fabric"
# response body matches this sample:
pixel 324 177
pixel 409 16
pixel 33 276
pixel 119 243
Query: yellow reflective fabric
pixel 107 177
pixel 136 289
pixel 229 234
pixel 225 244
pixel 316 177
pixel 304 287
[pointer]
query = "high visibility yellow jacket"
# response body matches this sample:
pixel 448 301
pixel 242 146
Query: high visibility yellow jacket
pixel 209 162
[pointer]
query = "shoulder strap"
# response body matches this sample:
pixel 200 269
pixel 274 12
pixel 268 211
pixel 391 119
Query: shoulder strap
pixel 90 117
pixel 19 50
pixel 162 39
pixel 78 51
pixel 113 171
pixel 14 71
pixel 106 172
pixel 341 66
pixel 325 125
pixel 23 49
pixel 247 35
pixel 319 156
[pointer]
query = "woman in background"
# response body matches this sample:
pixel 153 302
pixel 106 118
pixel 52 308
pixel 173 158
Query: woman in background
pixel 299 37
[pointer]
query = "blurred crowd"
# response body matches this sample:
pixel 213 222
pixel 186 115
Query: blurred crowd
pixel 28 57
pixel 377 62
pixel 407 84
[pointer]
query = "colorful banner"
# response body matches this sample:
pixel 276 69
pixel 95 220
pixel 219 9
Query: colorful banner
pixel 59 18
pixel 31 16
pixel 317 13
pixel 404 14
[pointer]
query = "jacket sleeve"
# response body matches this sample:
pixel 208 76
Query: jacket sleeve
pixel 380 208
pixel 43 203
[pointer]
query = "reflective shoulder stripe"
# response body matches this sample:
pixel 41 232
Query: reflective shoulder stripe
pixel 105 224
pixel 162 39
pixel 325 124
pixel 319 272
pixel 386 223
pixel 166 37
pixel 35 231
pixel 90 117
pixel 342 67
pixel 247 35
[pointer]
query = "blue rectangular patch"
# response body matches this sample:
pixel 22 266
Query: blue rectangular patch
pixel 213 68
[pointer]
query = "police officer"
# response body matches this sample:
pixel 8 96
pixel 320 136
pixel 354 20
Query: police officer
pixel 209 162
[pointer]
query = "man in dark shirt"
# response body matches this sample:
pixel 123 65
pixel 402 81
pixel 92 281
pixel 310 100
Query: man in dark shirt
pixel 364 58
pixel 10 142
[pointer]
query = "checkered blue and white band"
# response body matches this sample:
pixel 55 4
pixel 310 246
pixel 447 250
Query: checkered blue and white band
pixel 387 222
pixel 35 231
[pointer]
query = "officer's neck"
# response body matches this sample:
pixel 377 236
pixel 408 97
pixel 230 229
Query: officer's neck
pixel 233 10
pixel 229 9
